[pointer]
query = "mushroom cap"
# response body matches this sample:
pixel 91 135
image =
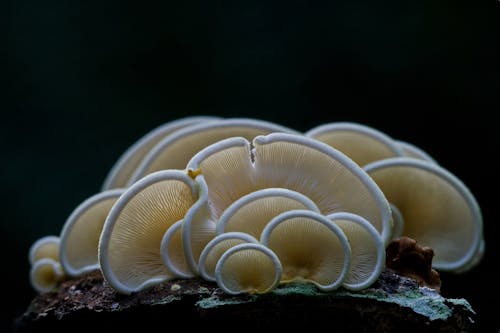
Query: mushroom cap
pixel 45 247
pixel 197 229
pixel 172 252
pixel 82 230
pixel 478 256
pixel 129 247
pixel 124 167
pixel 361 143
pixel 253 211
pixel 410 150
pixel 216 248
pixel 175 150
pixel 248 268
pixel 310 247
pixel 45 275
pixel 398 224
pixel 367 250
pixel 438 210
pixel 232 169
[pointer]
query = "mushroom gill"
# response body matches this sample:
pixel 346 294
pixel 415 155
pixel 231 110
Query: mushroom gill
pixel 253 211
pixel 81 231
pixel 367 250
pixel 232 168
pixel 45 275
pixel 175 150
pixel 310 247
pixel 172 252
pixel 130 243
pixel 248 268
pixel 216 248
pixel 438 210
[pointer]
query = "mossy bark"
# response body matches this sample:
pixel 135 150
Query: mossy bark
pixel 393 303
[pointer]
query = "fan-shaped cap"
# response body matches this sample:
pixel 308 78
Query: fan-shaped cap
pixel 175 151
pixel 172 252
pixel 329 178
pixel 310 247
pixel 398 224
pixel 438 210
pixel 129 247
pixel 367 250
pixel 124 167
pixel 216 248
pixel 45 275
pixel 45 247
pixel 248 268
pixel 475 260
pixel 81 232
pixel 361 143
pixel 197 229
pixel 410 150
pixel 253 211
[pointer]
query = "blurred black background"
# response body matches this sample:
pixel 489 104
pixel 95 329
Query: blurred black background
pixel 85 79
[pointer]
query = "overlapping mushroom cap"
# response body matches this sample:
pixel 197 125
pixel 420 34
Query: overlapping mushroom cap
pixel 367 250
pixel 310 248
pixel 229 183
pixel 234 167
pixel 82 230
pixel 122 170
pixel 253 211
pixel 46 271
pixel 45 247
pixel 45 275
pixel 129 247
pixel 438 210
pixel 175 150
pixel 248 268
pixel 216 248
pixel 361 143
pixel 412 151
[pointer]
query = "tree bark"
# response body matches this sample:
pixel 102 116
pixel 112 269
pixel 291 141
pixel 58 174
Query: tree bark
pixel 393 303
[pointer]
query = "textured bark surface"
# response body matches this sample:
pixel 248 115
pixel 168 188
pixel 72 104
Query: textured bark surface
pixel 393 303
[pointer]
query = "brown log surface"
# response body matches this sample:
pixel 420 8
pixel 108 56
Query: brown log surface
pixel 394 303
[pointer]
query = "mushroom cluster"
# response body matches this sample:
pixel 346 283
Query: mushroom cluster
pixel 250 204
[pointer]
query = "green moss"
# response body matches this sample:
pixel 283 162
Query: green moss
pixel 215 301
pixel 168 299
pixel 423 301
pixel 297 288
pixel 461 302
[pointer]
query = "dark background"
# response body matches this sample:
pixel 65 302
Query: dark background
pixel 85 79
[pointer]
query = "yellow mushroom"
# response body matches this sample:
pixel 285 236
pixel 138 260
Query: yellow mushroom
pixel 367 250
pixel 361 143
pixel 45 275
pixel 216 248
pixel 438 210
pixel 310 247
pixel 410 150
pixel 45 247
pixel 172 252
pixel 248 268
pixel 122 170
pixel 233 168
pixel 253 211
pixel 81 231
pixel 129 247
pixel 175 150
